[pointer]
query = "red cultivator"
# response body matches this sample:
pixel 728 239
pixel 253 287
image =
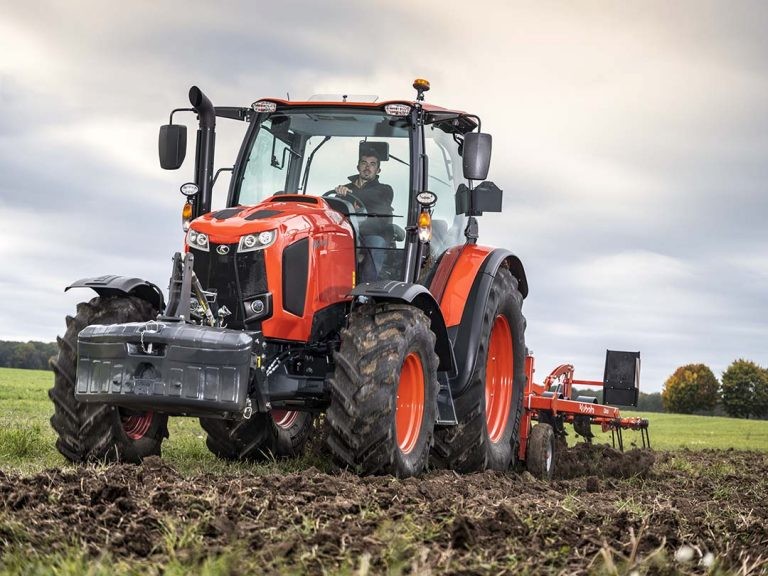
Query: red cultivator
pixel 558 401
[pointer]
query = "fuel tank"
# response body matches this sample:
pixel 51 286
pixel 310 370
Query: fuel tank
pixel 278 265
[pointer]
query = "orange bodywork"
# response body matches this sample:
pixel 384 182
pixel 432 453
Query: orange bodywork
pixel 454 278
pixel 331 255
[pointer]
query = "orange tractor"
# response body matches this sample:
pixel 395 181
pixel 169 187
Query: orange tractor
pixel 304 296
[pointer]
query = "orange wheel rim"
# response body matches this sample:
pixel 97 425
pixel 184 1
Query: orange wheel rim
pixel 284 418
pixel 137 426
pixel 409 410
pixel 498 378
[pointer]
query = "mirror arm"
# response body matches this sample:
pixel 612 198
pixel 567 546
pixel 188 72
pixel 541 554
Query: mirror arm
pixel 219 171
pixel 476 118
pixel 309 164
pixel 179 110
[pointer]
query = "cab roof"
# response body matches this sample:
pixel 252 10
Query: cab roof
pixel 464 122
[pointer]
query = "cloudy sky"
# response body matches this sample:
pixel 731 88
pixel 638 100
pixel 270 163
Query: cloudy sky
pixel 631 141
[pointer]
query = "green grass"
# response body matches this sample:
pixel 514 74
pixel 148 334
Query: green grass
pixel 27 441
pixel 680 431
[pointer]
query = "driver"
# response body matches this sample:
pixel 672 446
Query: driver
pixel 376 230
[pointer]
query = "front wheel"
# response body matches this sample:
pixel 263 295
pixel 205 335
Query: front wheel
pixel 101 432
pixel 384 391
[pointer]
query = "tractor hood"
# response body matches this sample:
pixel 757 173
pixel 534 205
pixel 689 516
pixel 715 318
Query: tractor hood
pixel 290 216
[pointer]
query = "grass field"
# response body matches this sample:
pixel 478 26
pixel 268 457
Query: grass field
pixel 27 440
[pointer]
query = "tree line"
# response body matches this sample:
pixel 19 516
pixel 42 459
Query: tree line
pixel 742 392
pixel 32 355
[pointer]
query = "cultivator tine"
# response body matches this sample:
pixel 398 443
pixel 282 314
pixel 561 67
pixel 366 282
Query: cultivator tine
pixel 618 425
pixel 616 433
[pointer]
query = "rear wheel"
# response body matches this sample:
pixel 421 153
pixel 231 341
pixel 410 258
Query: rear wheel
pixel 277 434
pixel 540 453
pixel 489 410
pixel 384 392
pixel 101 432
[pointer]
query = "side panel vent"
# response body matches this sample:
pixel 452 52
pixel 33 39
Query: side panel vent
pixel 295 276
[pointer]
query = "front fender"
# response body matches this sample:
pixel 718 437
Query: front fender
pixel 418 296
pixel 106 286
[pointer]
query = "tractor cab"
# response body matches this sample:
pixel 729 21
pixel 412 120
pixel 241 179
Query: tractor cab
pixel 312 148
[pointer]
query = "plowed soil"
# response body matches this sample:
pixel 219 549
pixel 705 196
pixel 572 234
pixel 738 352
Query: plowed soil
pixel 637 510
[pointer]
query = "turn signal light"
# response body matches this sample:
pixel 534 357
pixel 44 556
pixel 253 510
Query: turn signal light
pixel 186 216
pixel 425 227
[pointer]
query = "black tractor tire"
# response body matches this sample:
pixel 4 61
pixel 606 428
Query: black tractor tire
pixel 540 452
pixel 264 436
pixel 101 432
pixel 489 438
pixel 384 391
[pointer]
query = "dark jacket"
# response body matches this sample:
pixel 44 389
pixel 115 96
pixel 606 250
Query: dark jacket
pixel 377 198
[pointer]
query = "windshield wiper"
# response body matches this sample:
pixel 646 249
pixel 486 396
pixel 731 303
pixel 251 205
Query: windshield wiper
pixel 303 186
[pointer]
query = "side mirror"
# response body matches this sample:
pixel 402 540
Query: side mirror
pixel 172 146
pixel 476 155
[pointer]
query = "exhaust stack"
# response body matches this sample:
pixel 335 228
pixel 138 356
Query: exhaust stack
pixel 206 143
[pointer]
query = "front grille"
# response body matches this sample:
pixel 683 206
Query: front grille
pixel 233 276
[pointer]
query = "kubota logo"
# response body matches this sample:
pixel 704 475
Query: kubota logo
pixel 586 409
pixel 222 249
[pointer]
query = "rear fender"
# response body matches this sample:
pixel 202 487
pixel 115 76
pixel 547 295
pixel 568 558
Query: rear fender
pixel 418 296
pixel 457 271
pixel 464 296
pixel 106 286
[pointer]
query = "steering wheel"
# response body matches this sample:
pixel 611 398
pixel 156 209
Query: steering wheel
pixel 357 206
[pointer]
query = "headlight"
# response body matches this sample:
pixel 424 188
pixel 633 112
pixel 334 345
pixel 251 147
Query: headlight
pixel 258 241
pixel 197 240
pixel 397 109
pixel 264 106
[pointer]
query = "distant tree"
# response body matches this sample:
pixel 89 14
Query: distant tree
pixel 745 390
pixel 650 402
pixel 692 388
pixel 24 356
pixel 34 355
